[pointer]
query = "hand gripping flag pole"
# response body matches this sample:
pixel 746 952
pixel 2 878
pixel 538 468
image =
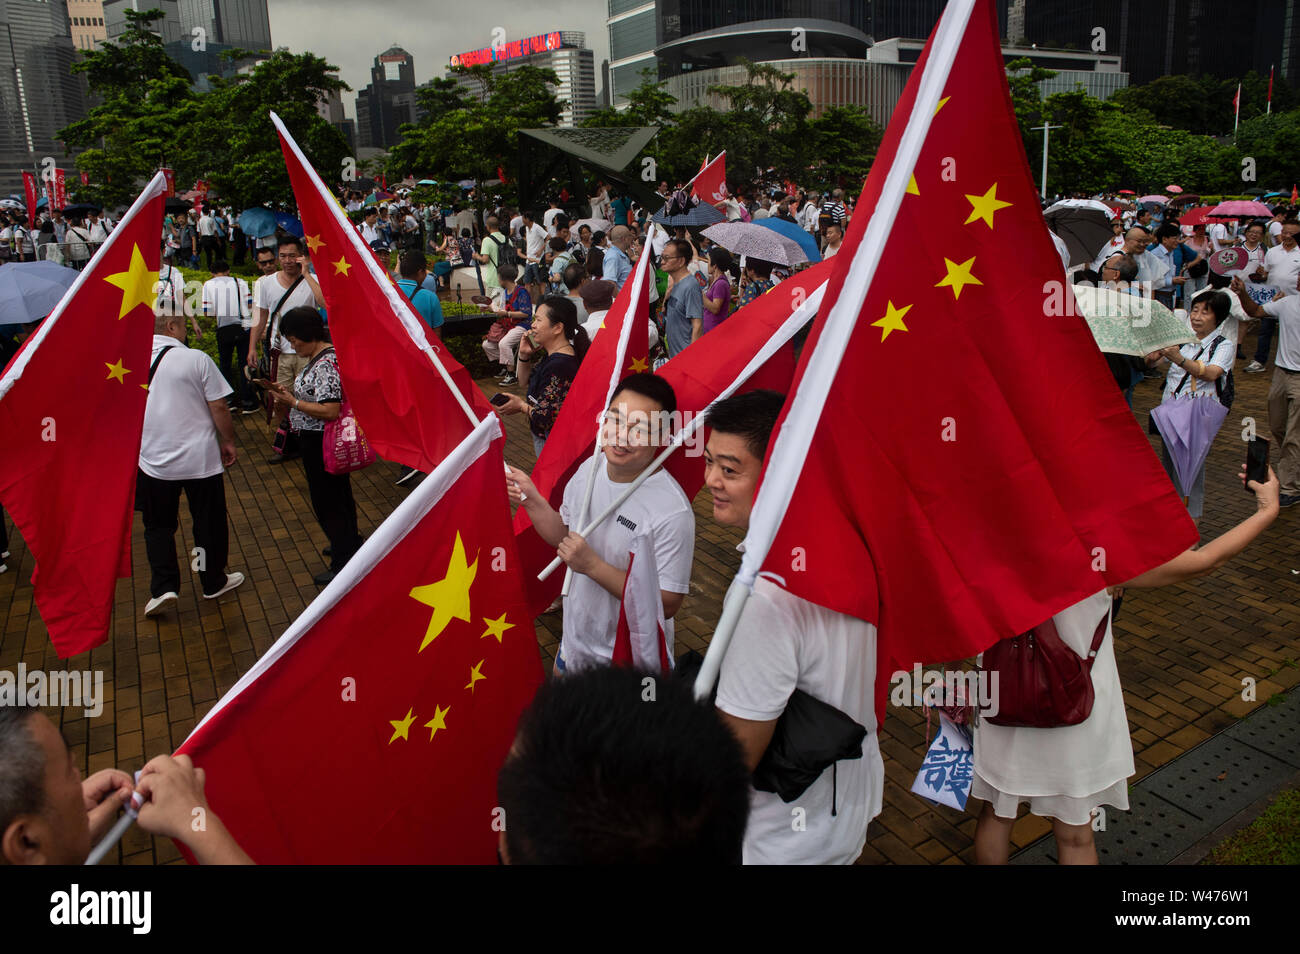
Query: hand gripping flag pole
pixel 801 315
pixel 795 437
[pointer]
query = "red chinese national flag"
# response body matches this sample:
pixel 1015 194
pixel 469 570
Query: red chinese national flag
pixel 399 688
pixel 32 195
pixel 956 464
pixel 711 182
pixel 412 398
pixel 71 411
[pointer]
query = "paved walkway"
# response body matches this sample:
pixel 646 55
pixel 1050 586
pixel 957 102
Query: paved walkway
pixel 1183 651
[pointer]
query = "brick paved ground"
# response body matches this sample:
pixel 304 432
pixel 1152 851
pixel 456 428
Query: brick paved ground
pixel 1182 651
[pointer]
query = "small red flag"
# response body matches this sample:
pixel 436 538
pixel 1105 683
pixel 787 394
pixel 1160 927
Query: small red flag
pixel 170 176
pixel 71 411
pixel 408 673
pixel 976 506
pixel 32 194
pixel 85 178
pixel 501 174
pixel 640 640
pixel 60 191
pixel 710 184
pixel 409 411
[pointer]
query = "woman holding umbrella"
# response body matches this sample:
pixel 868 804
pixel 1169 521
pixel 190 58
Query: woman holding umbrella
pixel 1198 370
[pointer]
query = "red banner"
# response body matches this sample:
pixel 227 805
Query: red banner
pixel 33 196
pixel 85 178
pixel 60 197
pixel 170 176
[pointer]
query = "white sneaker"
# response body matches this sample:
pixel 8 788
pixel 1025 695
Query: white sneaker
pixel 5 555
pixel 232 581
pixel 158 604
pixel 1254 368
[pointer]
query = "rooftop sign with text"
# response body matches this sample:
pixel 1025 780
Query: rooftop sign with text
pixel 509 51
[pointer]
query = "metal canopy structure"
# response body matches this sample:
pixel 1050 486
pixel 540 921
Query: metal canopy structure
pixel 563 152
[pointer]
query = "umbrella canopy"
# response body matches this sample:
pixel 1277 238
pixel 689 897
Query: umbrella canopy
pixel 359 185
pixel 175 203
pixel 1126 192
pixel 1188 426
pixel 1129 324
pixel 792 231
pixel 30 290
pixel 596 225
pixel 1195 216
pixel 1187 198
pixel 1175 189
pixel 13 205
pixel 1256 191
pixel 1083 224
pixel 1157 199
pixel 1274 195
pixel 466 183
pixel 80 208
pixel 1239 209
pixel 754 241
pixel 288 223
pixel 701 214
pixel 257 222
pixel 427 182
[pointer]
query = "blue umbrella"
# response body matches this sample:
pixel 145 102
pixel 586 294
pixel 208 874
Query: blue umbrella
pixel 30 290
pixel 257 222
pixel 792 231
pixel 288 223
pixel 1188 426
pixel 701 214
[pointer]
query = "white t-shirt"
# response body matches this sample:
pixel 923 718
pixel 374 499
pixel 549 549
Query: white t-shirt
pixel 207 225
pixel 535 237
pixel 592 324
pixel 1274 230
pixel 659 508
pixel 268 292
pixel 227 297
pixel 1283 268
pixel 517 227
pixel 548 220
pixel 169 290
pixel 1287 312
pixel 783 643
pixel 179 440
pixel 1219 237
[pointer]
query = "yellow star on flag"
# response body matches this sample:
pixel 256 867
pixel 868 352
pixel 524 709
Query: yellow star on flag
pixel 117 371
pixel 939 105
pixel 475 674
pixel 341 266
pixel 893 320
pixel 638 365
pixel 912 187
pixel 958 276
pixel 137 284
pixel 983 206
pixel 314 242
pixel 438 721
pixel 497 627
pixel 449 597
pixel 401 727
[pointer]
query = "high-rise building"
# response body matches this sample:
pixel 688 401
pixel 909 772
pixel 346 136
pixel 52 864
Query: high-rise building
pixel 563 51
pixel 86 19
pixel 1162 37
pixel 39 94
pixel 169 27
pixel 388 101
pixel 633 35
pixel 243 24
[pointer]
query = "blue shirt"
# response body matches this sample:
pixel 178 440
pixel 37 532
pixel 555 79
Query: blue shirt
pixel 423 301
pixel 684 306
pixel 616 267
pixel 1164 255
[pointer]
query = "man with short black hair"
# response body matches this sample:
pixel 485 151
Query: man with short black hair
pixel 684 299
pixel 783 643
pixel 413 267
pixel 228 300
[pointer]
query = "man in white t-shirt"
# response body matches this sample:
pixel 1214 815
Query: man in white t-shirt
pixel 293 285
pixel 783 643
pixel 187 442
pixel 1219 236
pixel 534 252
pixel 209 244
pixel 637 425
pixel 548 217
pixel 227 299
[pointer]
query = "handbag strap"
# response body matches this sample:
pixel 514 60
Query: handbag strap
pixel 273 324
pixel 153 368
pixel 1048 628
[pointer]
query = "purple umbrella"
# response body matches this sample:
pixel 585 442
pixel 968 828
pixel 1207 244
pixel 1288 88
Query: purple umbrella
pixel 1188 426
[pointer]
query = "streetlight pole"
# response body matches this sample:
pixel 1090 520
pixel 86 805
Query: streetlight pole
pixel 1047 129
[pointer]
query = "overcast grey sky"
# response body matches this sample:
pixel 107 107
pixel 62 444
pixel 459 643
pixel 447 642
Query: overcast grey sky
pixel 351 35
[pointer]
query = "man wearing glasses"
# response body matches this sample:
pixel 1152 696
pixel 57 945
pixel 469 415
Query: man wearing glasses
pixel 276 294
pixel 684 302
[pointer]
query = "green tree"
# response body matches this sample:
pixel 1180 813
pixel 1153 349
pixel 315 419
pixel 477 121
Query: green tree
pixel 144 102
pixel 1027 98
pixel 233 145
pixel 844 141
pixel 647 105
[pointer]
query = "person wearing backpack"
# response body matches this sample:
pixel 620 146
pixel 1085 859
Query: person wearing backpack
pixel 1203 369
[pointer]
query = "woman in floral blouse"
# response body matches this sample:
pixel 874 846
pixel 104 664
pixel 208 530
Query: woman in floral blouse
pixel 317 397
pixel 556 331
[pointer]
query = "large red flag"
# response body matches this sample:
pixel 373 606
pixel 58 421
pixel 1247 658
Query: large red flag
pixel 750 351
pixel 956 464
pixel 399 686
pixel 71 411
pixel 711 182
pixel 411 411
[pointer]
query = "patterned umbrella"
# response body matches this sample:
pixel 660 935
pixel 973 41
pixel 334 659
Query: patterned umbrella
pixel 1129 324
pixel 701 214
pixel 754 241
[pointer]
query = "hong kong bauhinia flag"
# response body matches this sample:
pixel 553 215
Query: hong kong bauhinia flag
pixel 710 183
pixel 71 411
pixel 398 690
pixel 412 398
pixel 956 464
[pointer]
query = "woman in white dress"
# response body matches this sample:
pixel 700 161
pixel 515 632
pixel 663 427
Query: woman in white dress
pixel 1065 773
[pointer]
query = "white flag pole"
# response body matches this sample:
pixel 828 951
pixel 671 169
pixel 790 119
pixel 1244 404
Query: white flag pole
pixel 797 319
pixel 401 311
pixel 794 440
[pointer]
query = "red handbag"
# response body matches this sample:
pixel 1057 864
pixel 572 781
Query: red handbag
pixel 1042 682
pixel 345 447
